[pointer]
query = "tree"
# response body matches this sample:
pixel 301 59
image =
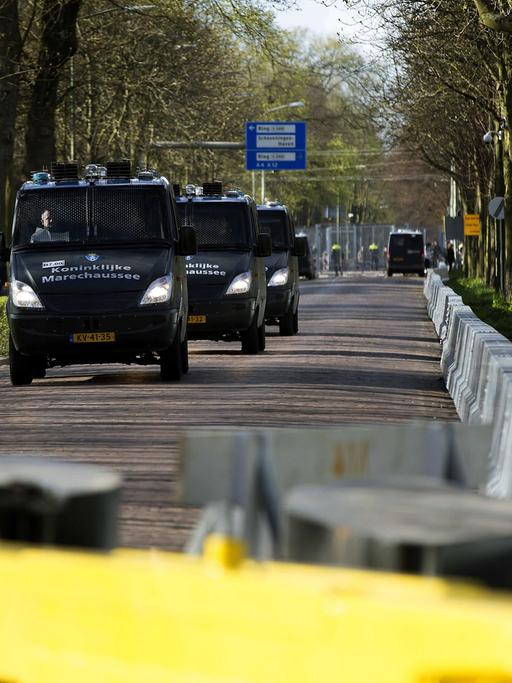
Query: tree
pixel 10 55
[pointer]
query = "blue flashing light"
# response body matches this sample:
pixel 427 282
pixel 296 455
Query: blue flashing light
pixel 40 177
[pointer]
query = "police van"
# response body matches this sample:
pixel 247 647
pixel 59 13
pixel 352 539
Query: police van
pixel 226 279
pixel 97 272
pixel 406 253
pixel 282 268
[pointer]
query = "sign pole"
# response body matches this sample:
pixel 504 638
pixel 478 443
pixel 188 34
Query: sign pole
pixel 263 187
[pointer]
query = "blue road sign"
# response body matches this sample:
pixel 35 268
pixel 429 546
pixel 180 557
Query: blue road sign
pixel 275 145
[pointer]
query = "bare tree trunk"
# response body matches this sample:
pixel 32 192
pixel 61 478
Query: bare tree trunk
pixel 58 45
pixel 10 52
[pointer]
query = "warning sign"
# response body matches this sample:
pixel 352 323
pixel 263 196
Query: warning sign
pixel 471 225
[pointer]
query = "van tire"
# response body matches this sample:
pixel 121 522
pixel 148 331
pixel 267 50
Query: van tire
pixel 286 323
pixel 171 368
pixel 390 273
pixel 184 355
pixel 19 366
pixel 38 367
pixel 250 338
pixel 296 322
pixel 421 273
pixel 261 337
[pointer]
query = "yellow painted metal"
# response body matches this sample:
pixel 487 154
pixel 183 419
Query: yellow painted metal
pixel 152 617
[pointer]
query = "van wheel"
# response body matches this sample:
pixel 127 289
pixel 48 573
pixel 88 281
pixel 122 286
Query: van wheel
pixel 19 366
pixel 390 273
pixel 261 337
pixel 184 355
pixel 421 273
pixel 38 367
pixel 286 324
pixel 296 322
pixel 250 338
pixel 171 368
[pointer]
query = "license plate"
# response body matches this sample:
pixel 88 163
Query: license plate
pixel 196 319
pixel 92 337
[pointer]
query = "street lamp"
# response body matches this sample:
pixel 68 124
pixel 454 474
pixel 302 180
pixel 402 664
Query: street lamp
pixel 288 105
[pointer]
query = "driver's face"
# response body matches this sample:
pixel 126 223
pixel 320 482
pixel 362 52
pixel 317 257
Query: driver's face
pixel 46 219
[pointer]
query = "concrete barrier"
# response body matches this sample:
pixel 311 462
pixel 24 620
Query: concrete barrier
pixel 499 483
pixel 476 363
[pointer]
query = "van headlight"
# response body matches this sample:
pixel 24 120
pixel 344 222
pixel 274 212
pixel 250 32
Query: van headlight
pixel 158 292
pixel 280 277
pixel 240 284
pixel 23 296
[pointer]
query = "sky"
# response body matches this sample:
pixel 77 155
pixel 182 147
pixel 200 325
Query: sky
pixel 318 18
pixel 322 20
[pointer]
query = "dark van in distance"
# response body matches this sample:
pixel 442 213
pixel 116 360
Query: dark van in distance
pixel 226 280
pixel 282 268
pixel 406 253
pixel 307 261
pixel 97 273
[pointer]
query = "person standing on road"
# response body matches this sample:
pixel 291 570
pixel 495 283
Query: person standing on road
pixel 336 259
pixel 450 256
pixel 436 253
pixel 360 259
pixel 374 255
pixel 325 262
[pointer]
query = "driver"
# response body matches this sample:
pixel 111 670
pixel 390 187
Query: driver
pixel 42 232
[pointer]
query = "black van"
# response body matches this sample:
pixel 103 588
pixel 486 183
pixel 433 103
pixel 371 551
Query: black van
pixel 307 261
pixel 97 272
pixel 406 253
pixel 282 268
pixel 226 280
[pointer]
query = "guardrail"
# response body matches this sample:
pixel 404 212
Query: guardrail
pixel 476 363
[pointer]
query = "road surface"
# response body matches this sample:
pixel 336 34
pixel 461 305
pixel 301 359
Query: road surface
pixel 366 352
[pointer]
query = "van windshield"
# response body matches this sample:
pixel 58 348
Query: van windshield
pixel 275 223
pixel 86 215
pixel 217 225
pixel 404 245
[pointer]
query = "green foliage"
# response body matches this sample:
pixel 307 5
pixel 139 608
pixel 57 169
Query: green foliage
pixel 4 330
pixel 487 304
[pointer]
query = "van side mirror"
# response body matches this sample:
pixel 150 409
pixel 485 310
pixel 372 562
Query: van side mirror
pixel 264 244
pixel 187 245
pixel 5 252
pixel 299 248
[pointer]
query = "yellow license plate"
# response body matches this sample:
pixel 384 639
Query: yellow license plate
pixel 93 337
pixel 195 319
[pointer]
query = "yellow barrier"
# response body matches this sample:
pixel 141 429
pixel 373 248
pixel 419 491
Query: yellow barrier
pixel 148 617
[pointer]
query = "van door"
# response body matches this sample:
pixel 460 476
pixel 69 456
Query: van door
pixel 259 269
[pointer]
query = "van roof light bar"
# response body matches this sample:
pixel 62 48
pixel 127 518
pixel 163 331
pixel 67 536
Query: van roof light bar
pixel 40 177
pixel 95 171
pixel 64 170
pixel 119 169
pixel 212 189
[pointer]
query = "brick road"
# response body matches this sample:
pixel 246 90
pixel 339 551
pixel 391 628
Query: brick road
pixel 366 352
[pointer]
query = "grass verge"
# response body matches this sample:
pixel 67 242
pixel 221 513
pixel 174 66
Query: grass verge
pixel 4 334
pixel 485 302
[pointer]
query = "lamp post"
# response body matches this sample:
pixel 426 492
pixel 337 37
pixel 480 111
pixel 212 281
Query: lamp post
pixel 288 105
